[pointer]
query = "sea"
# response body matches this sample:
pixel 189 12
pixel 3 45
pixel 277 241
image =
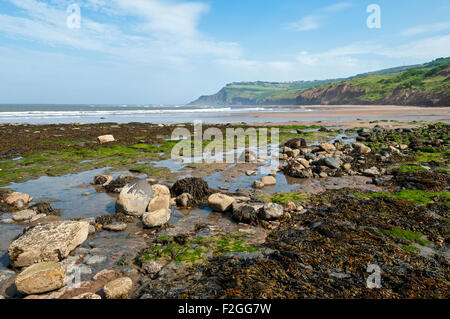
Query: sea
pixel 51 114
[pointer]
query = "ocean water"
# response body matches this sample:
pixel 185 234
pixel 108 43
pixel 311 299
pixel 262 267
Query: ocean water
pixel 49 114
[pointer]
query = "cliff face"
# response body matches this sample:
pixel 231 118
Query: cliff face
pixel 219 98
pixel 428 87
pixel 227 97
pixel 343 94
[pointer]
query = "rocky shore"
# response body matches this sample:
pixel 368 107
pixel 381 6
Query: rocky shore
pixel 341 201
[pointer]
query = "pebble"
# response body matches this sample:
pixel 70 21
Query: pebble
pixel 250 173
pixel 152 267
pixel 331 163
pixel 258 184
pixel 8 221
pixel 116 227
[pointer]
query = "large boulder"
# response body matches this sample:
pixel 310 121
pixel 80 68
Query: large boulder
pixel 48 242
pixel 269 180
pixel 118 289
pixel 220 202
pixel 197 187
pixel 161 198
pixel 246 213
pixel 134 198
pixel 271 211
pixel 40 278
pixel 156 218
pixel 18 199
pixel 24 215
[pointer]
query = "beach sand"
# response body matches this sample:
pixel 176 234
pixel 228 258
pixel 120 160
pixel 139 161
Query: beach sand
pixel 349 115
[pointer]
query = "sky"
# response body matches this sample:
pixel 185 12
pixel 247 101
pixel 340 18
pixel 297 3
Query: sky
pixel 173 51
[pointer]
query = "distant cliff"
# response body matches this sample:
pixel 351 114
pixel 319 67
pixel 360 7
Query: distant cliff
pixel 423 85
pixel 259 93
pixel 417 87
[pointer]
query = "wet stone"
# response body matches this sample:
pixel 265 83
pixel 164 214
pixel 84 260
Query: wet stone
pixel 115 227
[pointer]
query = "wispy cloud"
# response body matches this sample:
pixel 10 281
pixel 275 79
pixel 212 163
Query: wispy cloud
pixel 426 28
pixel 428 48
pixel 315 21
pixel 341 61
pixel 338 7
pixel 306 23
pixel 175 19
pixel 164 31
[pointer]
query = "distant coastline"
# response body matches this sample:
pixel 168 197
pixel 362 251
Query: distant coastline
pixel 425 85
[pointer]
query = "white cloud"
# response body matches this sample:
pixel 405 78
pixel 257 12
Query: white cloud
pixel 426 28
pixel 175 19
pixel 314 21
pixel 306 23
pixel 167 31
pixel 340 61
pixel 428 48
pixel 338 7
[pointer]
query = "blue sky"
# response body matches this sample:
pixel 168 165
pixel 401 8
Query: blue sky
pixel 172 51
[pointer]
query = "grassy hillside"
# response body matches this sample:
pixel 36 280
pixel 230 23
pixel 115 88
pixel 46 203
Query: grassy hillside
pixel 262 93
pixel 276 93
pixel 399 69
pixel 427 86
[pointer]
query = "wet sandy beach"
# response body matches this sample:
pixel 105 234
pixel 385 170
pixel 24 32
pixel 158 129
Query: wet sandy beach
pixel 347 115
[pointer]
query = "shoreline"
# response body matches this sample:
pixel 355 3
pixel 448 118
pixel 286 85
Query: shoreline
pixel 327 113
pixel 351 113
pixel 329 195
